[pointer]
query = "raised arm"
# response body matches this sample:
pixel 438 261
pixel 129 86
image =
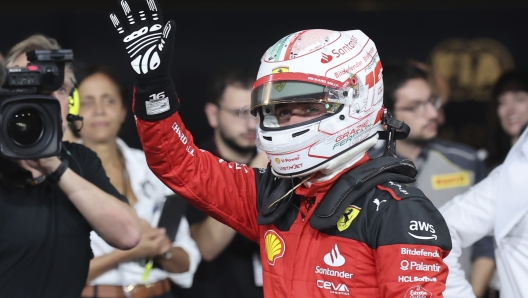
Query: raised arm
pixel 226 191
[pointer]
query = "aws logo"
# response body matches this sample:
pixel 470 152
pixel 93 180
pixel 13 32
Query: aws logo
pixel 274 246
pixel 326 58
pixel 351 212
pixel 417 226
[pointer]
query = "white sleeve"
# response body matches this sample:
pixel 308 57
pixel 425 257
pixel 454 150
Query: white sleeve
pixel 184 240
pixel 469 216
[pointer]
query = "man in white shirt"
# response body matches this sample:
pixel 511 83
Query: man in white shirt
pixel 497 206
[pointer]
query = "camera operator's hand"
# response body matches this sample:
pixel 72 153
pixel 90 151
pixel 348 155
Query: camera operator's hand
pixel 45 165
pixel 149 47
pixel 154 242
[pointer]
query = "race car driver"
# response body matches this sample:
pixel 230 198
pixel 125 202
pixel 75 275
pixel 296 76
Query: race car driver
pixel 329 221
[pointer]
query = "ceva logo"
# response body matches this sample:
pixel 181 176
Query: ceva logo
pixel 274 246
pixel 334 258
pixel 326 58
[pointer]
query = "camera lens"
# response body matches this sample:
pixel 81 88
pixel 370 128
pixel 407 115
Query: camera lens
pixel 25 126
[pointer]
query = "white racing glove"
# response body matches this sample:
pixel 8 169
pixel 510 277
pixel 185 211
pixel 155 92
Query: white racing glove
pixel 149 46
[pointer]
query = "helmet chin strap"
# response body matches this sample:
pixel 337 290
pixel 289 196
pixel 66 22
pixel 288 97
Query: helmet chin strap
pixel 396 130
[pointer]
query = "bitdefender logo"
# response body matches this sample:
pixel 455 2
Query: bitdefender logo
pixel 326 58
pixel 419 252
pixel 334 258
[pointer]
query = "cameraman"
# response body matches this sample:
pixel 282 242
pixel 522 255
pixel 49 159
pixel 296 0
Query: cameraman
pixel 49 207
pixel 17 57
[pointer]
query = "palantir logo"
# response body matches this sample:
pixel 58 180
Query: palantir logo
pixel 326 58
pixel 404 265
pixel 334 258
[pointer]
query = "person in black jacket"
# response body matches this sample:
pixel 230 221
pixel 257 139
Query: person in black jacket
pixel 48 208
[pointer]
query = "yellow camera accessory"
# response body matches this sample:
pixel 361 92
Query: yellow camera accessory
pixel 74 102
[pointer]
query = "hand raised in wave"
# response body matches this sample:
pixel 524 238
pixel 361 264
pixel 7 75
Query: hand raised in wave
pixel 148 43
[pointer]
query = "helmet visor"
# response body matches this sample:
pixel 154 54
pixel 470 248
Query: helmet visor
pixel 273 96
pixel 272 93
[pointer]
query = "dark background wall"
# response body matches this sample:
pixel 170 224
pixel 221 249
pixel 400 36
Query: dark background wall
pixel 210 33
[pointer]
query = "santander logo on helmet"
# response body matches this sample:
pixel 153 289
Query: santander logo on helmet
pixel 326 58
pixel 341 70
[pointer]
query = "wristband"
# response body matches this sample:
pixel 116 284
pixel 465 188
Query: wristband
pixel 55 176
pixel 155 98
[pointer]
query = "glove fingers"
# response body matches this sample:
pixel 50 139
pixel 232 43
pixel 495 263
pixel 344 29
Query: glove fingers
pixel 134 14
pixel 153 10
pixel 168 35
pixel 118 25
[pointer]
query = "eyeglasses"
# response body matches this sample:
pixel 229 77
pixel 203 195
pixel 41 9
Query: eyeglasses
pixel 243 113
pixel 419 108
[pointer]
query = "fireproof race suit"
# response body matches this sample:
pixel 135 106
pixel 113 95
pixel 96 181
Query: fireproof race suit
pixel 389 242
pixel 344 236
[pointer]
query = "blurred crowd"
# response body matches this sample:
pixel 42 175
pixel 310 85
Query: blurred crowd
pixel 205 255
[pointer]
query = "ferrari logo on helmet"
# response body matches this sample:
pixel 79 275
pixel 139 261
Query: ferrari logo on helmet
pixel 281 85
pixel 274 246
pixel 351 212
pixel 277 160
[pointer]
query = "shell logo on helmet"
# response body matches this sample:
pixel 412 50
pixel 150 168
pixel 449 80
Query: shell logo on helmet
pixel 350 90
pixel 274 246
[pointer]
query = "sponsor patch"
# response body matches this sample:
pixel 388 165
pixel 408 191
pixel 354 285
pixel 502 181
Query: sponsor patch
pixel 419 252
pixel 334 258
pixel 351 212
pixel 459 179
pixel 412 265
pixel 418 292
pixel 281 85
pixel 274 246
pixel 407 278
pixel 418 226
pixel 333 288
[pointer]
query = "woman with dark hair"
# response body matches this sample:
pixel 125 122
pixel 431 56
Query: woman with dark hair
pixel 117 273
pixel 511 92
pixel 510 100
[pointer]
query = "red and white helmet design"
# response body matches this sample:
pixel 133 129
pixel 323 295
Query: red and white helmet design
pixel 341 70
